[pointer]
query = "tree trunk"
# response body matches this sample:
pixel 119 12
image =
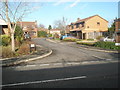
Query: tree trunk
pixel 12 42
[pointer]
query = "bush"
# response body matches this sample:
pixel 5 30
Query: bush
pixel 90 39
pixel 71 39
pixel 99 37
pixel 85 43
pixel 42 34
pixel 56 35
pixel 107 45
pixel 49 35
pixel 7 52
pixel 24 49
pixel 5 40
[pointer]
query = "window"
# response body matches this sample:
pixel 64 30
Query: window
pixel 77 25
pixel 87 26
pixel 72 27
pixel 98 23
pixel 82 25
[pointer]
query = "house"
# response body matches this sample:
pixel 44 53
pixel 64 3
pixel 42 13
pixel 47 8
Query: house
pixel 3 28
pixel 117 30
pixel 29 27
pixel 88 28
pixel 55 31
pixel 43 29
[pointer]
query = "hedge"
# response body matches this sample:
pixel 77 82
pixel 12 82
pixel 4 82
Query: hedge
pixel 71 40
pixel 42 34
pixel 5 40
pixel 107 45
pixel 85 43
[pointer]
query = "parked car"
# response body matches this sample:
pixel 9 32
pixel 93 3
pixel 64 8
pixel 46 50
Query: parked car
pixel 27 37
pixel 65 36
pixel 109 39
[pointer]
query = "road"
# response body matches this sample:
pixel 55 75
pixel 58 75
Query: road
pixel 67 67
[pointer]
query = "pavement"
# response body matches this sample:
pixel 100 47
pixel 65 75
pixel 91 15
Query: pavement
pixel 40 53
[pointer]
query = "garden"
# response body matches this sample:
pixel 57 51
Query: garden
pixel 21 45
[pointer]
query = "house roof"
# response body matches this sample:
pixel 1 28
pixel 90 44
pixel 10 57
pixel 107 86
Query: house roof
pixel 26 23
pixel 117 20
pixel 85 19
pixel 2 22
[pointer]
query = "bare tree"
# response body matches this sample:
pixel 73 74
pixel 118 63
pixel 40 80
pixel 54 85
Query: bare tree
pixel 61 24
pixel 41 26
pixel 11 13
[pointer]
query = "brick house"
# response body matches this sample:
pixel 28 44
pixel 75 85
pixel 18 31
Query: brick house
pixel 88 28
pixel 3 28
pixel 117 30
pixel 29 27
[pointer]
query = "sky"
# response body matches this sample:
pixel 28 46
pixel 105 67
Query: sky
pixel 47 13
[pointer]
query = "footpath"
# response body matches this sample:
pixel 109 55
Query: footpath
pixel 40 53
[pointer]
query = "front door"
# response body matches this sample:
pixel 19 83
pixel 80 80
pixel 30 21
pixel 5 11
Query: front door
pixel 84 35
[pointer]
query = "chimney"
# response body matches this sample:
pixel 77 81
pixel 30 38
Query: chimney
pixel 36 23
pixel 78 19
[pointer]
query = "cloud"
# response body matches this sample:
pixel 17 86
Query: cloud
pixel 75 3
pixel 72 5
pixel 60 2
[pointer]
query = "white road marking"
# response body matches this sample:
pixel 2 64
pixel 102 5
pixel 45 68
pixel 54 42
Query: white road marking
pixel 30 65
pixel 73 63
pixel 57 64
pixel 98 57
pixel 44 81
pixel 44 64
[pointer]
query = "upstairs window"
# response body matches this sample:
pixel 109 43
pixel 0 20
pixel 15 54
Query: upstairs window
pixel 98 23
pixel 77 25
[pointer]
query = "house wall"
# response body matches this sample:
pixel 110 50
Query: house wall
pixel 53 32
pixel 93 30
pixel 93 26
pixel 117 27
pixel 90 29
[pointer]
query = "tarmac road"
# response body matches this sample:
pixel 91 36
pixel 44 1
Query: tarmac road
pixel 67 67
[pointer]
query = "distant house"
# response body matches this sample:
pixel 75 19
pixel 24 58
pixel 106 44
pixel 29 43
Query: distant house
pixel 43 29
pixel 3 28
pixel 88 28
pixel 117 30
pixel 29 27
pixel 55 31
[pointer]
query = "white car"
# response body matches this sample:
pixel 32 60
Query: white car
pixel 109 39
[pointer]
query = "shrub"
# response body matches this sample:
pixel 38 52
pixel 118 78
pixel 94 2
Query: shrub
pixel 56 35
pixel 90 39
pixel 85 43
pixel 7 52
pixel 71 39
pixel 49 35
pixel 42 34
pixel 107 45
pixel 99 37
pixel 24 49
pixel 18 35
pixel 5 40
